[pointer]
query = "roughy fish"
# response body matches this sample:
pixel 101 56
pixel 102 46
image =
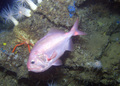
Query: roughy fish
pixel 50 48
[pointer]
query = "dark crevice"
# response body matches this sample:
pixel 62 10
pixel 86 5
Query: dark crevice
pixel 114 28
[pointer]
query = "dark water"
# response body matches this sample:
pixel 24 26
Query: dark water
pixel 4 3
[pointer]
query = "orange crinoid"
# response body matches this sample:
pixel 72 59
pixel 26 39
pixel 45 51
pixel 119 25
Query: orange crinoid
pixel 23 41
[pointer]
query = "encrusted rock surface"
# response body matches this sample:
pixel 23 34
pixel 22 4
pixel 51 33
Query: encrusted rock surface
pixel 102 44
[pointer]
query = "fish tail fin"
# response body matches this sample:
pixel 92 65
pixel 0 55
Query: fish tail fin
pixel 75 30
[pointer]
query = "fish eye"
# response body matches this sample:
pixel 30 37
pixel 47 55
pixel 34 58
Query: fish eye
pixel 32 62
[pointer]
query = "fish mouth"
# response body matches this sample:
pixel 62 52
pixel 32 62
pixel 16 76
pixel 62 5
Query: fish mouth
pixel 34 68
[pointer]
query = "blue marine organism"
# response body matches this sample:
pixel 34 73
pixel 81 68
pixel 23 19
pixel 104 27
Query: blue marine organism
pixel 71 10
pixel 118 22
pixel 71 15
pixel 3 50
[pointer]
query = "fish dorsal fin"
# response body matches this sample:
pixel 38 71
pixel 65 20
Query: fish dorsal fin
pixel 54 31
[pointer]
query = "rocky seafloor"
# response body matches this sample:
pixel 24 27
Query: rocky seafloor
pixel 95 59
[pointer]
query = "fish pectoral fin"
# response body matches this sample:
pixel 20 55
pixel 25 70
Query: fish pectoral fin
pixel 52 56
pixel 57 63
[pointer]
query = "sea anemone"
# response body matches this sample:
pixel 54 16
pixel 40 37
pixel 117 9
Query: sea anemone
pixel 52 84
pixel 96 65
pixel 21 11
pixel 29 2
pixel 8 15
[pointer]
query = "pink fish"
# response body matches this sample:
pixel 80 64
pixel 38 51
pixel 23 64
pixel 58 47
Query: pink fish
pixel 50 48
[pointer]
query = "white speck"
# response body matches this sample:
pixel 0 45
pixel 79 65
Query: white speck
pixel 25 61
pixel 16 56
